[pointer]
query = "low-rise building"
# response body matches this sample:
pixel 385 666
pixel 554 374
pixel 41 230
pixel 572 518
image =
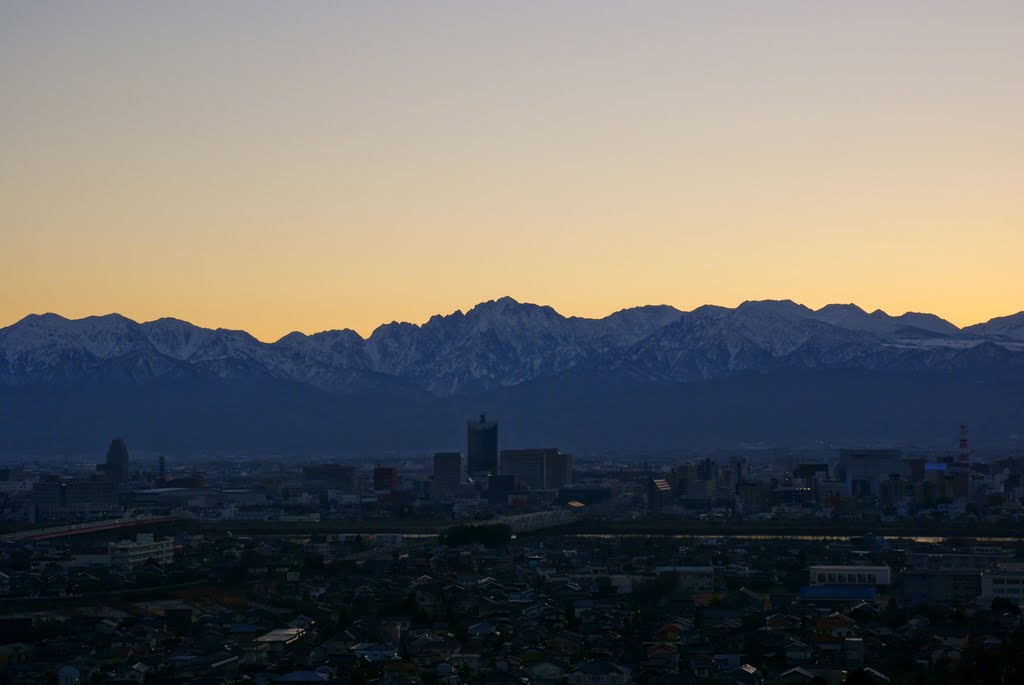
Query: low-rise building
pixel 691 579
pixel 1006 584
pixel 851 575
pixel 128 554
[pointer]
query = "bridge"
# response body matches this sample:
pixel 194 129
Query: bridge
pixel 55 532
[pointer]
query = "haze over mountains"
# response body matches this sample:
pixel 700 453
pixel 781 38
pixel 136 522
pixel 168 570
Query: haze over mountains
pixel 769 372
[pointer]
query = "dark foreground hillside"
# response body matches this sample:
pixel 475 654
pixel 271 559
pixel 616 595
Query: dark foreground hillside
pixel 575 411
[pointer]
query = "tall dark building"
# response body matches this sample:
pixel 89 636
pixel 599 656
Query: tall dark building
pixel 116 466
pixel 385 478
pixel 449 473
pixel 482 446
pixel 57 498
pixel 538 468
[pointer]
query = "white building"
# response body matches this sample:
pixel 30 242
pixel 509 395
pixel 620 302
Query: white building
pixel 127 554
pixel 1006 584
pixel 851 575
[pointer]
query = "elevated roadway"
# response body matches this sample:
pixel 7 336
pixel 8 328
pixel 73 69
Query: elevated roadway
pixel 55 532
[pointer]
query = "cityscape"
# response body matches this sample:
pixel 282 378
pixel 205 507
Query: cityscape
pixel 497 564
pixel 575 342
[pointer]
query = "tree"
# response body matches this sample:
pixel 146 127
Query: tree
pixel 859 677
pixel 1003 605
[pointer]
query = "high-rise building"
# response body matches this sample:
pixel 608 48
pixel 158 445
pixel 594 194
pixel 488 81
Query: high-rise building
pixel 449 473
pixel 385 478
pixel 116 466
pixel 482 445
pixel 557 470
pixel 538 469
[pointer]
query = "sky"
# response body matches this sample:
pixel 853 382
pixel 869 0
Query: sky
pixel 306 166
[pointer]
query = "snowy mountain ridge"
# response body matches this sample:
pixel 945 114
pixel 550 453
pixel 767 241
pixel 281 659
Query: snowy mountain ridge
pixel 503 343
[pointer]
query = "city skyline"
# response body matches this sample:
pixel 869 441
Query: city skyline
pixel 549 343
pixel 258 167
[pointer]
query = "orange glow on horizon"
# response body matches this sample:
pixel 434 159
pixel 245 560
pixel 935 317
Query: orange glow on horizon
pixel 271 168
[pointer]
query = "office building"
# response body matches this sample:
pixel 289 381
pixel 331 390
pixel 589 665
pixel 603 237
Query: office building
pixel 385 478
pixel 753 496
pixel 862 471
pixel 538 469
pixel 449 473
pixel 116 466
pixel 482 446
pixel 58 498
pixel 557 470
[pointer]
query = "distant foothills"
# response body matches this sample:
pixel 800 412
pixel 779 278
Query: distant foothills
pixel 766 373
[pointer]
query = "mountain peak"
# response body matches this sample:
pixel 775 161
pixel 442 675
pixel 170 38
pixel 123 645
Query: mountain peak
pixel 841 308
pixel 777 307
pixel 502 304
pixel 46 317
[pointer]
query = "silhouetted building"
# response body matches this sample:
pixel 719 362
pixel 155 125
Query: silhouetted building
pixel 499 488
pixel 116 466
pixel 482 445
pixel 58 498
pixel 161 469
pixel 863 470
pixel 707 469
pixel 557 470
pixel 807 472
pixel 538 469
pixel 944 588
pixel 322 477
pixel 449 473
pixel 385 478
pixel 659 493
pixel 753 495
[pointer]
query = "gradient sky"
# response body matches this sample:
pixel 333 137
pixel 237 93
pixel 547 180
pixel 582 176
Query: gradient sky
pixel 303 166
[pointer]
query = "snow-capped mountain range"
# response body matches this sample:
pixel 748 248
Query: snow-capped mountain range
pixel 504 343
